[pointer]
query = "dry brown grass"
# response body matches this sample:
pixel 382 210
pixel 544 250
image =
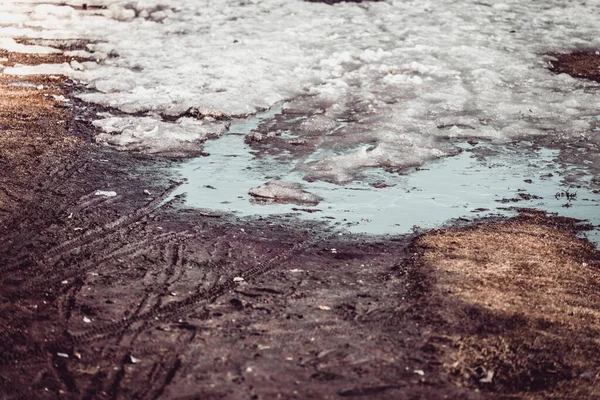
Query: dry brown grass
pixel 35 59
pixel 33 125
pixel 523 299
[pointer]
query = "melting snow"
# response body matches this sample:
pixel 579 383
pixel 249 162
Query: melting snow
pixel 381 84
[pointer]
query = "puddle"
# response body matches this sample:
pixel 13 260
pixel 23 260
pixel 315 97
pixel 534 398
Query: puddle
pixel 468 185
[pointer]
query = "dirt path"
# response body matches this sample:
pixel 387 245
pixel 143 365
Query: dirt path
pixel 132 296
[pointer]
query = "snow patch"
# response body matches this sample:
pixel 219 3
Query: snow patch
pixel 151 135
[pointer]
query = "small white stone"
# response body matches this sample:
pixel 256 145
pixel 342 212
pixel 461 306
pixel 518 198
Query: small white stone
pixel 86 320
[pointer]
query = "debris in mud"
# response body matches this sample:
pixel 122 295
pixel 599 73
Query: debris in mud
pixel 211 215
pixel 527 196
pixel 366 391
pixel 584 64
pixel 520 197
pixel 307 210
pixel 570 196
pixel 259 137
pixel 285 192
pixel 489 376
pixel 105 193
pixel 380 185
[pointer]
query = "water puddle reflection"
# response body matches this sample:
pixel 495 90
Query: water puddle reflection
pixel 483 180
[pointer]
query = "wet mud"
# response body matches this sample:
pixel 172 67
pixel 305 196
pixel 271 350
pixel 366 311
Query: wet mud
pixel 132 295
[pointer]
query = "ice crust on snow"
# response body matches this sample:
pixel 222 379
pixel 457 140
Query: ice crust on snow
pixel 407 78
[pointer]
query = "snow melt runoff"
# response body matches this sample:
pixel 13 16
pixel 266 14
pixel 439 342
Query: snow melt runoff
pixel 388 84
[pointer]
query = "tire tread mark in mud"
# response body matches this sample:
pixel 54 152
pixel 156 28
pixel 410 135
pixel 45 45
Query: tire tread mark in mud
pixel 156 386
pixel 93 390
pixel 177 307
pixel 131 250
pixel 102 231
pixel 161 286
pixel 157 315
pixel 92 235
pixel 31 205
pixel 113 390
pixel 65 376
pixel 168 378
pixel 89 200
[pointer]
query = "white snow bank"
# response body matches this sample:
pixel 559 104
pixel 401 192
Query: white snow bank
pixel 408 74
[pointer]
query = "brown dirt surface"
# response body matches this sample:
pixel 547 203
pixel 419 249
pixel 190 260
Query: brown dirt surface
pixel 578 65
pixel 134 296
pixel 13 59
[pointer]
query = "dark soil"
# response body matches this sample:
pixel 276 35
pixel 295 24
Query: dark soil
pixel 134 296
pixel 578 65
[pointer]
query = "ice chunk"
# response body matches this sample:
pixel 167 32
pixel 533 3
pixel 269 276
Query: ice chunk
pixel 285 192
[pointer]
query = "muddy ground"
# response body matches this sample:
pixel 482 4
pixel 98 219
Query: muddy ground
pixel 134 296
